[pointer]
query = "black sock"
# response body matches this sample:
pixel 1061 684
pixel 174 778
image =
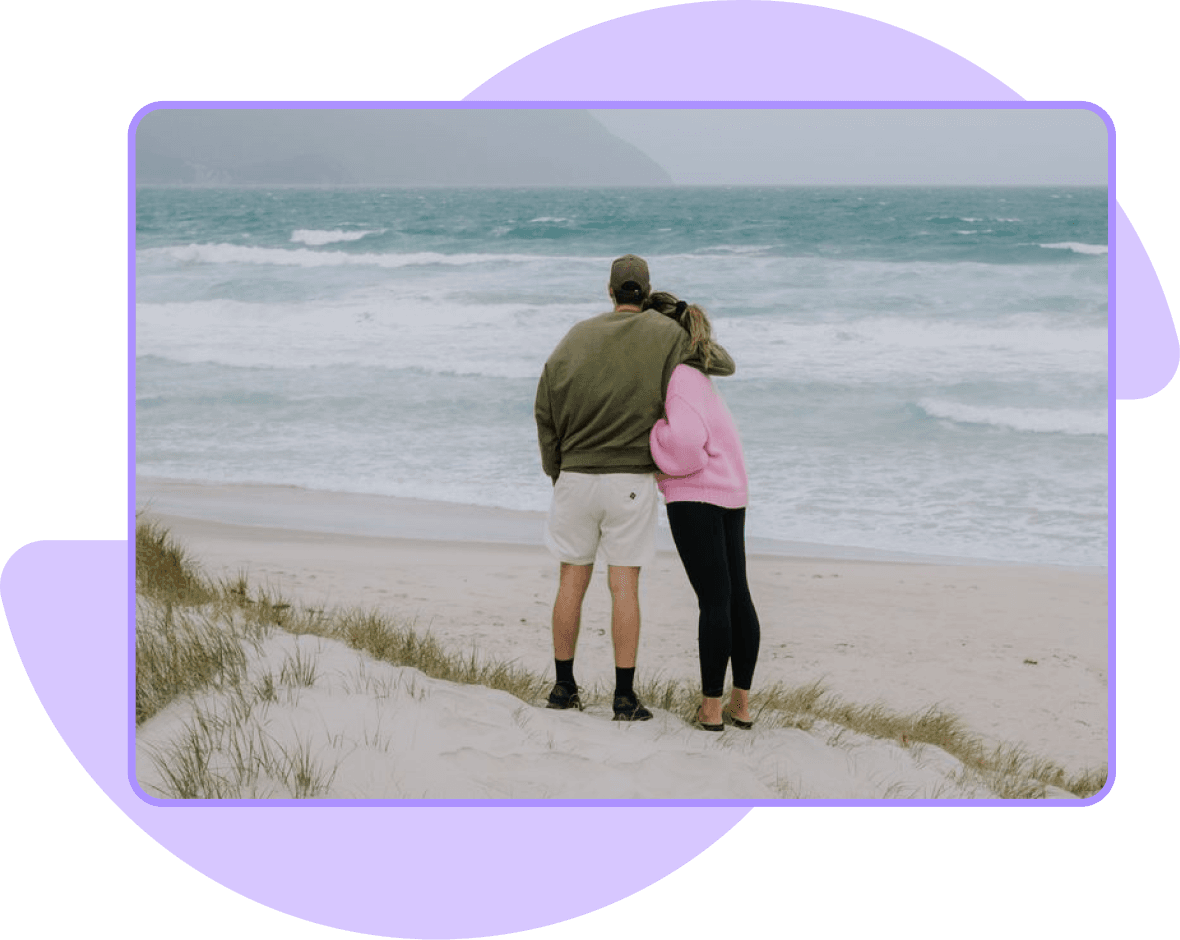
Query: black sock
pixel 623 680
pixel 565 672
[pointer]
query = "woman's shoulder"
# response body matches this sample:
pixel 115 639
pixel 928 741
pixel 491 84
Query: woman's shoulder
pixel 686 378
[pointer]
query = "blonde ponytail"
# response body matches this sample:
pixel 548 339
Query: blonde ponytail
pixel 691 317
pixel 700 333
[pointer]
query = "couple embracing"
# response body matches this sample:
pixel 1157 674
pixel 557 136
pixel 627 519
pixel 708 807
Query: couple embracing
pixel 625 404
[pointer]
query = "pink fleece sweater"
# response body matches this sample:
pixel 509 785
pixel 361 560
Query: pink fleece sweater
pixel 698 442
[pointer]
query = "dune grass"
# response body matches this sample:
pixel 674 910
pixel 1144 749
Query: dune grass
pixel 192 633
pixel 1008 770
pixel 163 569
pixel 225 754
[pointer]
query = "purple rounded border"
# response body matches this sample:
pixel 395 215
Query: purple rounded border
pixel 360 876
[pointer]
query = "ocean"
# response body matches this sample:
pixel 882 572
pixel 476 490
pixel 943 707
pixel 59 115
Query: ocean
pixel 919 370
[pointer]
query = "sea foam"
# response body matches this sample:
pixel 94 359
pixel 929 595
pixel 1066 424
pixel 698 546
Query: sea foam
pixel 1079 247
pixel 223 253
pixel 943 394
pixel 319 237
pixel 1035 420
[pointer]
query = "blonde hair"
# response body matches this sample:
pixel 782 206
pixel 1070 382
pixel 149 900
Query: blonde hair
pixel 700 333
pixel 690 316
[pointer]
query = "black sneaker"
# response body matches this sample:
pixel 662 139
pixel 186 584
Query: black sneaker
pixel 629 708
pixel 565 696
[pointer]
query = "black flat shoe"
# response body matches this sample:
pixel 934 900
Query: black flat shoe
pixel 704 725
pixel 729 718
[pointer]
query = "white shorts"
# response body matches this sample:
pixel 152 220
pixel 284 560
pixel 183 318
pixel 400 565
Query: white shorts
pixel 612 512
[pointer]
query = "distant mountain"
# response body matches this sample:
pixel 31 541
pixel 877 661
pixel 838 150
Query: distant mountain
pixel 388 147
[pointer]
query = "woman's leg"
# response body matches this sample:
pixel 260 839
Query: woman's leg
pixel 746 632
pixel 699 533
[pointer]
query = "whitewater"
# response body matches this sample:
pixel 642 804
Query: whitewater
pixel 919 370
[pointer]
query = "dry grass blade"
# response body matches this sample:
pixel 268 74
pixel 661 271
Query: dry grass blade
pixel 400 645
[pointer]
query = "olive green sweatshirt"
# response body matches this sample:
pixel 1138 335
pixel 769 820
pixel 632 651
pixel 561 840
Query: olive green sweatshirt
pixel 603 388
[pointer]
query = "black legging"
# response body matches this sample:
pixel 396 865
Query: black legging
pixel 712 545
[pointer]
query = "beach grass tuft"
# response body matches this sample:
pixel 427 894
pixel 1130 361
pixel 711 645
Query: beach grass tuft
pixel 1007 770
pixel 192 634
pixel 299 670
pixel 398 643
pixel 163 569
pixel 228 756
pixel 179 650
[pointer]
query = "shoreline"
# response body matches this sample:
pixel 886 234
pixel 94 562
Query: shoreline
pixel 287 506
pixel 1018 652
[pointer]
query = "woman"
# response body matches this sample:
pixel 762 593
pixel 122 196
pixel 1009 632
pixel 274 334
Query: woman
pixel 697 447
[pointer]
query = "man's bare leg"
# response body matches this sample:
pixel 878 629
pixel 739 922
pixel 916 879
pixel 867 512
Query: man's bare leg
pixel 567 608
pixel 624 614
pixel 624 631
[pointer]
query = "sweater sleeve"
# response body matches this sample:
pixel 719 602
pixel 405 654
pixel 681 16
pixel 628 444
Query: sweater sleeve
pixel 721 363
pixel 678 440
pixel 546 431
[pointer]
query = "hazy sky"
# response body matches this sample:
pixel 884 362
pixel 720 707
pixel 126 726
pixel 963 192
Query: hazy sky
pixel 904 146
pixel 388 146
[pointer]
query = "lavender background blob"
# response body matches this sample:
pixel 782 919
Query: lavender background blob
pixel 357 857
pixel 391 871
pixel 737 51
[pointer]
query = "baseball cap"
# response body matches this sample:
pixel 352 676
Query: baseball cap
pixel 629 268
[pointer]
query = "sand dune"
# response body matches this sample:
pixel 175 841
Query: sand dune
pixel 369 730
pixel 1018 652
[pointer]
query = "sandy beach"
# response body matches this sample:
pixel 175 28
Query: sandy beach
pixel 1018 652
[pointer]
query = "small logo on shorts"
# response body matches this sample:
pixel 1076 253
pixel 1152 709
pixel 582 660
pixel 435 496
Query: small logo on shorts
pixel 632 495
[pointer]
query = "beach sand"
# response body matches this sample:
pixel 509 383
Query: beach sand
pixel 1018 652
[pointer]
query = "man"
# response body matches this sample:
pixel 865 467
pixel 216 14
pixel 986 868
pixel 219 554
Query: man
pixel 600 393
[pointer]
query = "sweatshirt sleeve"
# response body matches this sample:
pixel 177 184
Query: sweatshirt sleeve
pixel 678 440
pixel 722 363
pixel 546 431
pixel 677 355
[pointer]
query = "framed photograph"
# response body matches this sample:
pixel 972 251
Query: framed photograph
pixel 358 335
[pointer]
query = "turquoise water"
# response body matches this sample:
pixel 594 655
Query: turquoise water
pixel 919 370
